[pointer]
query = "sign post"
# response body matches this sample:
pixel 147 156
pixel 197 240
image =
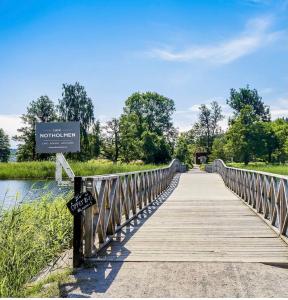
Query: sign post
pixel 59 138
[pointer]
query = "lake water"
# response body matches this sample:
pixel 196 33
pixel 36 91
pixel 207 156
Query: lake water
pixel 18 191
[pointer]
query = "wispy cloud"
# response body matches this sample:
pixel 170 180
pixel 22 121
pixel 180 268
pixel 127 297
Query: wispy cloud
pixel 257 34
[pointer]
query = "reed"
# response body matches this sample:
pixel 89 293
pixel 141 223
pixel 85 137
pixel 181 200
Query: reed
pixel 31 236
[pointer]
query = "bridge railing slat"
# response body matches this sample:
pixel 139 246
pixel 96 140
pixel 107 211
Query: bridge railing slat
pixel 265 193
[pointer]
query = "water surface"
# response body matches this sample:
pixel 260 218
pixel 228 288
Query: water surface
pixel 13 192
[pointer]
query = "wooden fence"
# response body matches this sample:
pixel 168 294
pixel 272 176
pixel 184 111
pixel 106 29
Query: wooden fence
pixel 119 199
pixel 265 193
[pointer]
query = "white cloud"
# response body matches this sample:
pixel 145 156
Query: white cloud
pixel 279 113
pixel 185 119
pixel 10 124
pixel 280 108
pixel 255 36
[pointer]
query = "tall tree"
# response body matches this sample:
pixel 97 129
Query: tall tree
pixel 112 142
pixel 246 96
pixel 182 150
pixel 75 105
pixel 280 129
pixel 40 110
pixel 95 140
pixel 4 146
pixel 131 145
pixel 207 127
pixel 151 115
pixel 154 112
pixel 246 136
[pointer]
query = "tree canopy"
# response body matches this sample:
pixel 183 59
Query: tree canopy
pixel 40 110
pixel 238 100
pixel 4 146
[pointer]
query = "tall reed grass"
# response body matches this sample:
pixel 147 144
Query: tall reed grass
pixel 46 169
pixel 31 236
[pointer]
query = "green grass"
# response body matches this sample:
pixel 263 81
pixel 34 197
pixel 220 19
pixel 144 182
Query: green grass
pixel 49 287
pixel 261 166
pixel 31 236
pixel 46 169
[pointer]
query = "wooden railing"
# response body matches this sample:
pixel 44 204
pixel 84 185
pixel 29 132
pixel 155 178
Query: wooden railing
pixel 265 193
pixel 119 199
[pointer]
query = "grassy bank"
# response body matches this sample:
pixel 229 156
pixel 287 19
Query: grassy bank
pixel 31 236
pixel 259 166
pixel 46 169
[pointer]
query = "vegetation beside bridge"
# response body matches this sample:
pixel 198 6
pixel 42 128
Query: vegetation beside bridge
pixel 31 236
pixel 281 169
pixel 46 169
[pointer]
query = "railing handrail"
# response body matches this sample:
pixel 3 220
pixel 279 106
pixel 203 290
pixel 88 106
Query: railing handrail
pixel 254 171
pixel 114 175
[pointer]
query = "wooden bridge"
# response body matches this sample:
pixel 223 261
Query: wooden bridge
pixel 221 216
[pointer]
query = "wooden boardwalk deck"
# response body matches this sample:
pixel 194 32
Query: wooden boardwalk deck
pixel 201 221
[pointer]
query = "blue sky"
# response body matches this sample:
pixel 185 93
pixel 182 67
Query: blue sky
pixel 190 51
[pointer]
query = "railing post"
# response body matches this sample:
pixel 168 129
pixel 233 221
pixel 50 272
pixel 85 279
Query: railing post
pixel 77 228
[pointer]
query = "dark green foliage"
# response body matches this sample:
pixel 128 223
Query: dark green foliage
pixel 251 139
pixel 246 96
pixel 75 105
pixel 146 127
pixel 111 140
pixel 219 148
pixel 154 112
pixel 155 148
pixel 131 144
pixel 95 140
pixel 207 127
pixel 183 150
pixel 41 110
pixel 4 146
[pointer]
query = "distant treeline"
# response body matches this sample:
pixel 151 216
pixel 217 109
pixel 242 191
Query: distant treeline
pixel 251 134
pixel 145 131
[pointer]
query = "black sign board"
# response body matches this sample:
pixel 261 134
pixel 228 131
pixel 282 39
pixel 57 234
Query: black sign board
pixel 80 202
pixel 57 137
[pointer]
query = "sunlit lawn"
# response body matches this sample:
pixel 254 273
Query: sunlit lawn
pixel 261 166
pixel 46 169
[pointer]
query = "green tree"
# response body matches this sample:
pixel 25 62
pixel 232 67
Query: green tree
pixel 150 117
pixel 4 146
pixel 154 112
pixel 207 128
pixel 155 148
pixel 219 149
pixel 40 110
pixel 95 140
pixel 246 96
pixel 280 129
pixel 75 105
pixel 247 136
pixel 131 145
pixel 183 151
pixel 111 141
